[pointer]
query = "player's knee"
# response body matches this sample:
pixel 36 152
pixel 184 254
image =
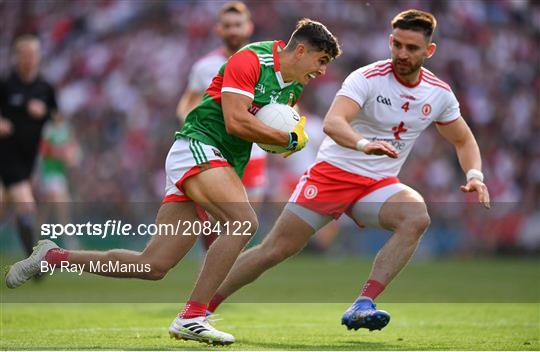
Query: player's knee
pixel 276 253
pixel 275 256
pixel 249 224
pixel 417 223
pixel 241 222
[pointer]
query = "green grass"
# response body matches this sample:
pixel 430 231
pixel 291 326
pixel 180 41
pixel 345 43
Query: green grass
pixel 273 326
pixel 480 304
pixel 308 279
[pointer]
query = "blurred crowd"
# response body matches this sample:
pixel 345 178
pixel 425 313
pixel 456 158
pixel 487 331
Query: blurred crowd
pixel 120 67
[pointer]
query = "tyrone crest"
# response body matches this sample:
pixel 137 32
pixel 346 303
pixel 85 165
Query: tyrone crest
pixel 426 109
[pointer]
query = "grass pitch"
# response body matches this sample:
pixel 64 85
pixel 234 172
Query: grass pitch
pixel 292 307
pixel 273 326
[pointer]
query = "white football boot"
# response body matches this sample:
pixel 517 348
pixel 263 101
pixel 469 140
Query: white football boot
pixel 198 329
pixel 26 269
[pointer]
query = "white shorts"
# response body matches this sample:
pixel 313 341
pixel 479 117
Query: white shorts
pixel 325 192
pixel 186 158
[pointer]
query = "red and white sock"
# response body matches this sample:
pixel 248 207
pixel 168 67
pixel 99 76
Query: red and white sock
pixel 56 255
pixel 372 288
pixel 193 310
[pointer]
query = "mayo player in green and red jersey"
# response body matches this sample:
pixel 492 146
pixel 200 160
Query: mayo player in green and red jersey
pixel 204 169
pixel 234 27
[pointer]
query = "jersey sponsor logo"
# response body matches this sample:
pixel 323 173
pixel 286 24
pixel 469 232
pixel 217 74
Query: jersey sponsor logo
pixel 311 192
pixel 384 100
pixel 396 144
pixel 426 109
pixel 398 129
pixel 409 97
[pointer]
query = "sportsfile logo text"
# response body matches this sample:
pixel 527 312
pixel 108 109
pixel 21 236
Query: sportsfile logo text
pixel 120 228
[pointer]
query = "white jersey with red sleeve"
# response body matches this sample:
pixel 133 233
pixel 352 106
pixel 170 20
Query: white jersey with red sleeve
pixel 391 111
pixel 205 69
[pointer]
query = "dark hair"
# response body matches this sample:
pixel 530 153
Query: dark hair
pixel 316 35
pixel 416 20
pixel 235 7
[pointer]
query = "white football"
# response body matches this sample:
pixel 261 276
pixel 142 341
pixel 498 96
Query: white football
pixel 281 117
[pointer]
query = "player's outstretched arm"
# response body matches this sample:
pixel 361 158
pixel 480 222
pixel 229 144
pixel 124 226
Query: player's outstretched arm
pixel 240 123
pixel 459 134
pixel 337 125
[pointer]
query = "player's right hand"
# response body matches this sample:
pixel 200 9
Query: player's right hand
pixel 298 138
pixel 475 185
pixel 381 148
pixel 6 127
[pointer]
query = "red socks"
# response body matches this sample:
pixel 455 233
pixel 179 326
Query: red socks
pixel 56 255
pixel 193 310
pixel 215 302
pixel 372 289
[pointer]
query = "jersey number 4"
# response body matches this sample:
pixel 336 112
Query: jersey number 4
pixel 405 106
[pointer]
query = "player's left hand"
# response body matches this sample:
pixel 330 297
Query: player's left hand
pixel 36 108
pixel 475 185
pixel 301 137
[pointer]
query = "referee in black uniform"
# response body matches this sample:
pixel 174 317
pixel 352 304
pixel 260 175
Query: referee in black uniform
pixel 27 102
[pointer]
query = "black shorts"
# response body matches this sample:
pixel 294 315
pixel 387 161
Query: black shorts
pixel 15 167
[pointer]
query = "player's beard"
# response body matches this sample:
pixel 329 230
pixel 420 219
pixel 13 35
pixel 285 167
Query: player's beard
pixel 406 68
pixel 234 43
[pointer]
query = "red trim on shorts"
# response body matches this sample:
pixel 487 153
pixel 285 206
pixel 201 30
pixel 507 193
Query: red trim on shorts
pixel 330 190
pixel 191 172
pixel 212 164
pixel 380 184
pixel 175 198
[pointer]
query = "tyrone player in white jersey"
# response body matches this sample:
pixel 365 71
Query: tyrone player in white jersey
pixel 372 125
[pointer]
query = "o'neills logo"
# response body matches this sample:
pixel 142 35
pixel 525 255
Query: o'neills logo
pixel 310 192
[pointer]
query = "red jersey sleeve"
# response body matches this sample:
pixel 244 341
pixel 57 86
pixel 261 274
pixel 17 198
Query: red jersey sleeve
pixel 241 74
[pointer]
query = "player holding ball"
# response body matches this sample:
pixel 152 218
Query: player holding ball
pixel 204 169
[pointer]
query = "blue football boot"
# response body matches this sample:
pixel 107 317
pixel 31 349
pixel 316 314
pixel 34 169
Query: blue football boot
pixel 364 314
